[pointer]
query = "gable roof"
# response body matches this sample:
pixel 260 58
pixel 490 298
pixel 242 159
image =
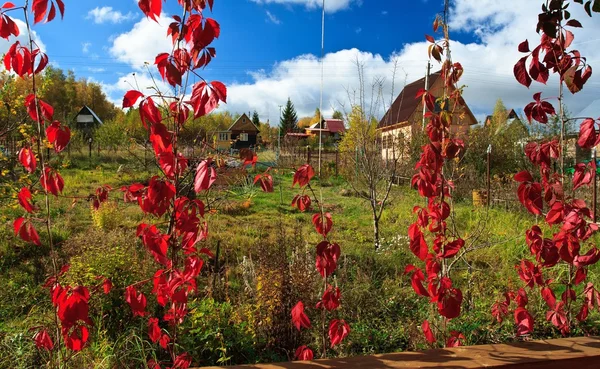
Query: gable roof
pixel 243 123
pixel 406 103
pixel 331 125
pixel 89 111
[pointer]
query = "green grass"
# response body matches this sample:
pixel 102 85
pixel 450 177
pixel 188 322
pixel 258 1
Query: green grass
pixel 266 255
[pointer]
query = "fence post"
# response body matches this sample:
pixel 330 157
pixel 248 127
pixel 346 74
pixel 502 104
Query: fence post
pixel 308 154
pixel 337 161
pixel 489 195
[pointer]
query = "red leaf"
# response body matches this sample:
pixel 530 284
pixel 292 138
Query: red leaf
pixel 58 135
pixel 331 299
pixel 220 89
pixel 27 159
pixel 548 296
pixel 131 98
pixel 154 331
pixel 51 181
pixel 524 321
pixel 303 353
pixel 205 176
pixel 416 280
pixel 456 339
pixel 265 180
pixel 587 134
pixel 520 71
pixel 524 46
pixel 26 231
pixel 430 39
pixel 151 8
pixel 136 301
pixel 327 256
pixel 523 176
pixel 322 223
pixel 8 5
pixel 107 286
pixel 428 333
pixel 205 98
pixel 43 341
pixel 25 200
pixel 40 9
pixel 302 202
pixel 338 330
pixel 299 317
pixel 418 246
pixel 303 175
pixel 164 341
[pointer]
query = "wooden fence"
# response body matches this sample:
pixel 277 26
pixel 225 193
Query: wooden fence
pixel 580 353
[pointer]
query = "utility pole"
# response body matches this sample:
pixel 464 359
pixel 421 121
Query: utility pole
pixel 426 88
pixel 321 124
pixel 279 135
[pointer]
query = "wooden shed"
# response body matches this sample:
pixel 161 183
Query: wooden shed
pixel 87 120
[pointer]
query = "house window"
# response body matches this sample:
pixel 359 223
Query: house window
pixel 243 137
pixel 224 136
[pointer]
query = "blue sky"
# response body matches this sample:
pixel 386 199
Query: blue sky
pixel 269 49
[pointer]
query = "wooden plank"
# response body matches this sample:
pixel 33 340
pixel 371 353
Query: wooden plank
pixel 573 353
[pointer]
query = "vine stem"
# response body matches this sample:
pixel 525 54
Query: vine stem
pixel 43 169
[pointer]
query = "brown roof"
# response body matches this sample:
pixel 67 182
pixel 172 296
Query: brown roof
pixel 406 103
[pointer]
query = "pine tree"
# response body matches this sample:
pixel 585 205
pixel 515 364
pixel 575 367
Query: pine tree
pixel 289 119
pixel 338 115
pixel 256 119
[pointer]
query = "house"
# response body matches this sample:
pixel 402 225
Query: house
pixel 405 117
pixel 87 121
pixel 242 134
pixel 332 128
pixel 573 150
pixel 511 117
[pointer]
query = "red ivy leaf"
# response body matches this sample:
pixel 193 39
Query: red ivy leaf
pixel 151 8
pixel 327 256
pixel 520 71
pixel 40 9
pixel 24 197
pixel 322 223
pixel 303 353
pixel 299 317
pixel 58 135
pixel 524 46
pixel 303 175
pixel 27 159
pixel 26 231
pixel 154 331
pixel 137 301
pixel 131 98
pixel 338 330
pixel 588 137
pixel 302 202
pixel 205 176
pixel 427 331
pixel 456 339
pixel 43 341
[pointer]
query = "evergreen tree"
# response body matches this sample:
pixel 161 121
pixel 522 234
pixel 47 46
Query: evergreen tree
pixel 289 119
pixel 256 119
pixel 338 115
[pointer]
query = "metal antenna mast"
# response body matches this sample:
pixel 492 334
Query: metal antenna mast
pixel 321 125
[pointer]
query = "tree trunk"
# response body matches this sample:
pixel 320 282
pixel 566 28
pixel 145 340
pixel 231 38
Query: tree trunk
pixel 376 232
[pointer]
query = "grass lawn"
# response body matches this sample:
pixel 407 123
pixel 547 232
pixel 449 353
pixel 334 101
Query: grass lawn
pixel 265 265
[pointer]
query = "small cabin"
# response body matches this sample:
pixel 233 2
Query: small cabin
pixel 87 121
pixel 242 134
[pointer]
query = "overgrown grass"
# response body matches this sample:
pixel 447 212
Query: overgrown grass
pixel 266 263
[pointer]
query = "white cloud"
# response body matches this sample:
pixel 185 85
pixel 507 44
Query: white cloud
pixel 85 47
pixel 488 64
pixel 273 18
pixel 331 6
pixel 106 14
pixel 384 12
pixel 358 30
pixel 146 39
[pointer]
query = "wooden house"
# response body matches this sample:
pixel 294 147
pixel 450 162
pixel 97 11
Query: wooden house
pixel 330 129
pixel 87 121
pixel 405 117
pixel 242 134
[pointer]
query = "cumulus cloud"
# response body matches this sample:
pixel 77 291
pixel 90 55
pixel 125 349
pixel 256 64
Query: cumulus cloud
pixel 331 6
pixel 107 14
pixel 141 45
pixel 488 64
pixel 85 47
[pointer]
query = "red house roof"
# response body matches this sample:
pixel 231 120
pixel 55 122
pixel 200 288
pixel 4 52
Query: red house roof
pixel 331 125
